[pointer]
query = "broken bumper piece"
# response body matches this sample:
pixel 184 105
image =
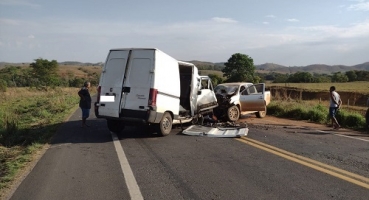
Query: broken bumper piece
pixel 226 132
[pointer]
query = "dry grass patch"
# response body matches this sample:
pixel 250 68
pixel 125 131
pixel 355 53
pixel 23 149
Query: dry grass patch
pixel 358 86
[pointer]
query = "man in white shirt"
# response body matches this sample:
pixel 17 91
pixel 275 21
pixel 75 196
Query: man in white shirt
pixel 334 106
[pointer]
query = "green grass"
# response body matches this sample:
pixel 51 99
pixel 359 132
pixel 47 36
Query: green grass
pixel 315 113
pixel 28 119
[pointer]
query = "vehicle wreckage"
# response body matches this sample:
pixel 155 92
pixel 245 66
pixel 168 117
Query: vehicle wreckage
pixel 145 86
pixel 233 99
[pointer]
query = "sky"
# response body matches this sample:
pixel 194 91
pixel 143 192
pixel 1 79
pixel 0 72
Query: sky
pixel 285 32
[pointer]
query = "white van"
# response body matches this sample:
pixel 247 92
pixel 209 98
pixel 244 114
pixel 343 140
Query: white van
pixel 146 86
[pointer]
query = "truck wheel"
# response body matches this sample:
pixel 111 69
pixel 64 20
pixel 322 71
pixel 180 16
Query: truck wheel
pixel 165 125
pixel 233 113
pixel 115 126
pixel 261 114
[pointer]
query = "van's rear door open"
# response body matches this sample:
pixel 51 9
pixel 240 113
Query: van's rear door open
pixel 138 80
pixel 111 85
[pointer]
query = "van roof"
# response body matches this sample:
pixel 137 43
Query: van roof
pixel 117 49
pixel 179 62
pixel 185 63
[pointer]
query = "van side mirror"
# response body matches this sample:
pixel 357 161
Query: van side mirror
pixel 199 92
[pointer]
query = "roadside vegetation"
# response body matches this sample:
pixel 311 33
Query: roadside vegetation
pixel 28 119
pixel 34 101
pixel 315 111
pixel 43 73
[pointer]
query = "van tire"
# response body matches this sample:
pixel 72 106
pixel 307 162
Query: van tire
pixel 233 113
pixel 115 126
pixel 261 114
pixel 165 125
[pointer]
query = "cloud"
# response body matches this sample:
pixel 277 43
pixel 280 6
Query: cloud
pixel 224 20
pixel 31 36
pixel 270 16
pixel 19 3
pixel 90 40
pixel 293 20
pixel 13 22
pixel 355 30
pixel 360 6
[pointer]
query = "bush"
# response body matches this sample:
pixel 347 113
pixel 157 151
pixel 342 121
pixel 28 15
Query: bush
pixel 298 112
pixel 3 86
pixel 317 113
pixel 275 109
pixel 354 120
pixel 10 134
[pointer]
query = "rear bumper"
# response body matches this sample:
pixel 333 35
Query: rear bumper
pixel 133 116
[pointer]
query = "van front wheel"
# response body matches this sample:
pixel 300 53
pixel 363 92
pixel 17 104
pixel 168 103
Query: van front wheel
pixel 165 125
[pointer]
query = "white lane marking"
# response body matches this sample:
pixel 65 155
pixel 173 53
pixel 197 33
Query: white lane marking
pixel 133 189
pixel 344 136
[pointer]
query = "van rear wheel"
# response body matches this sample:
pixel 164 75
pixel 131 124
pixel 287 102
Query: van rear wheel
pixel 165 125
pixel 115 126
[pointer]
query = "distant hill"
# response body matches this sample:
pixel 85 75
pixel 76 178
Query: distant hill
pixel 263 68
pixel 316 68
pixel 80 63
pixel 66 63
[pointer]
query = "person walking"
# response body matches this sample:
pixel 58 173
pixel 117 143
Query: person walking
pixel 85 102
pixel 334 105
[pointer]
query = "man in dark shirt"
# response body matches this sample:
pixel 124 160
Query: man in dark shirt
pixel 85 102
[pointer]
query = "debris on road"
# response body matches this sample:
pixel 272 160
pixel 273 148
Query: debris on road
pixel 224 130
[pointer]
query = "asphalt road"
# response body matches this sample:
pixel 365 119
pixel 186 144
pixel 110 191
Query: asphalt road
pixel 272 162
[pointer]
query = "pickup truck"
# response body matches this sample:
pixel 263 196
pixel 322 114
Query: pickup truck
pixel 235 99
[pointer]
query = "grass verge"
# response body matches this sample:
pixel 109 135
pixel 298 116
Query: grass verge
pixel 28 119
pixel 317 113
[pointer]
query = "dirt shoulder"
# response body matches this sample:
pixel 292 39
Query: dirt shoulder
pixel 274 121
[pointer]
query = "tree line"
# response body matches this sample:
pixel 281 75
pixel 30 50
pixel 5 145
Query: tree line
pixel 240 68
pixel 306 77
pixel 42 73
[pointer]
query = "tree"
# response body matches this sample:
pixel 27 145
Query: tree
pixel 45 71
pixel 281 78
pixel 239 68
pixel 339 77
pixel 351 75
pixel 215 79
pixel 257 79
pixel 301 77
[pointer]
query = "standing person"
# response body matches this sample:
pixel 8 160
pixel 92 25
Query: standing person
pixel 85 102
pixel 335 104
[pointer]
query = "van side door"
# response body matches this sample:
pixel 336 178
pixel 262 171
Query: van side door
pixel 252 98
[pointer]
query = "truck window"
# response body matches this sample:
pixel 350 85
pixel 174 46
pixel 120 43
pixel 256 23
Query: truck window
pixel 252 90
pixel 204 84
